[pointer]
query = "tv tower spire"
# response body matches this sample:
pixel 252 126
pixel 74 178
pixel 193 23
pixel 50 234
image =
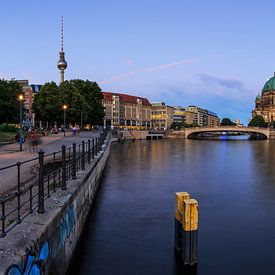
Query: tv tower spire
pixel 62 64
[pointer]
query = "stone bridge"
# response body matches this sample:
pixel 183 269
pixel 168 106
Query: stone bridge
pixel 250 130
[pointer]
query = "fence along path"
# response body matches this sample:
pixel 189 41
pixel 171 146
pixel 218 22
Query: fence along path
pixel 53 171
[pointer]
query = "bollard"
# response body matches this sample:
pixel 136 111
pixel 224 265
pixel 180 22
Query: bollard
pixel 96 147
pixel 186 228
pixel 74 162
pixel 190 232
pixel 180 197
pixel 63 187
pixel 41 209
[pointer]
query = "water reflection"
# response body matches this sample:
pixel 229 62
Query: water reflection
pixel 131 230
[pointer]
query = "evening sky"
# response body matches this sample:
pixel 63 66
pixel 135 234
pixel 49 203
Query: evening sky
pixel 213 53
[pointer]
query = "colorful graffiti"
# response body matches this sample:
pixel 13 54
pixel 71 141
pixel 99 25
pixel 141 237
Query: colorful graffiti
pixel 59 238
pixel 66 225
pixel 34 263
pixel 41 252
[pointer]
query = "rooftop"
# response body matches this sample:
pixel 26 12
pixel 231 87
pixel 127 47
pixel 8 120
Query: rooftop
pixel 126 98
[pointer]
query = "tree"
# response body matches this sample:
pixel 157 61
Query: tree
pixel 176 125
pixel 93 98
pixel 48 103
pixel 227 122
pixel 83 98
pixel 257 121
pixel 9 104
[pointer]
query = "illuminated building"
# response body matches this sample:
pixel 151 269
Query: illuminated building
pixel 162 115
pixel 126 111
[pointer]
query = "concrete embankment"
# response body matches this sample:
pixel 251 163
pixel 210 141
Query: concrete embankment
pixel 45 244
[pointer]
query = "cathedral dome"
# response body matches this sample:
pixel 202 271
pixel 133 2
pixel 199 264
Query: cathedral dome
pixel 269 85
pixel 258 97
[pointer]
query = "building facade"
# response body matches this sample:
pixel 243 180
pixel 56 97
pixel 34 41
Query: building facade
pixel 179 114
pixel 126 111
pixel 265 103
pixel 213 119
pixel 201 115
pixel 162 115
pixel 29 92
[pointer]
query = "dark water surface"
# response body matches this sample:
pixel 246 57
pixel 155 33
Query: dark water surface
pixel 131 229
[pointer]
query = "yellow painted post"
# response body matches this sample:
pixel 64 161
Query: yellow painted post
pixel 180 197
pixel 190 232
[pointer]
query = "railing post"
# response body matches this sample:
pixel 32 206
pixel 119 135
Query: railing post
pixel 83 156
pixel 63 186
pixel 93 149
pixel 18 191
pixel 41 209
pixel 74 162
pixel 96 146
pixel 89 151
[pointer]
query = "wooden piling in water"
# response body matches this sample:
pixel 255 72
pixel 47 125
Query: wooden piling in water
pixel 186 228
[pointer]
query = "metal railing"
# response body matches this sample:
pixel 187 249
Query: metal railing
pixel 53 172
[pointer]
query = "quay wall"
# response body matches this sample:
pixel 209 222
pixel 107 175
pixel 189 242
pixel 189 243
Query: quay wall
pixel 45 244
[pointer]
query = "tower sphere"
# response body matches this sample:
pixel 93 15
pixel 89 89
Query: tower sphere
pixel 61 64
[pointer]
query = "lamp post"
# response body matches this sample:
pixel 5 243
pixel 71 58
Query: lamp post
pixel 65 108
pixel 20 98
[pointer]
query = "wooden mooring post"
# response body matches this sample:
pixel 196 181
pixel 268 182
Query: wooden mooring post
pixel 186 228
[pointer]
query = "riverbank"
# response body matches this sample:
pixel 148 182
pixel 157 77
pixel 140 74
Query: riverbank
pixel 45 243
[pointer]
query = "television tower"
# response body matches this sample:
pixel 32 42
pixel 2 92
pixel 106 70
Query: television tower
pixel 62 64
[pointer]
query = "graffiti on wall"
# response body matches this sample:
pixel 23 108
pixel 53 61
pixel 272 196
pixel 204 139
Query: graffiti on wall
pixel 59 239
pixel 34 262
pixel 41 251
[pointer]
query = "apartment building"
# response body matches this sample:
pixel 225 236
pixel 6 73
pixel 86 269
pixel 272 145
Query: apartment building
pixel 126 111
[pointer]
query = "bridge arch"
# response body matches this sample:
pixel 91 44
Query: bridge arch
pixel 250 130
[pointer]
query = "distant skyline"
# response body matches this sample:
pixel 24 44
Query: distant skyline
pixel 210 53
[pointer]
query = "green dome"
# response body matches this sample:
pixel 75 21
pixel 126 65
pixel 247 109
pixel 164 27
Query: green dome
pixel 269 85
pixel 258 97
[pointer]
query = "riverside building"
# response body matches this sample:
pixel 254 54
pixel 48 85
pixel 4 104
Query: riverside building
pixel 213 119
pixel 179 114
pixel 265 103
pixel 162 115
pixel 126 111
pixel 203 117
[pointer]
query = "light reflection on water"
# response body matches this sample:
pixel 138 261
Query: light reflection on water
pixel 131 229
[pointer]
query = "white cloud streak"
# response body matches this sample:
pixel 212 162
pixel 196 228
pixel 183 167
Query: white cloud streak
pixel 147 69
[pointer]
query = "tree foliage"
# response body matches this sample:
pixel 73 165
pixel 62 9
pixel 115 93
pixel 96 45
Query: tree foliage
pixel 227 122
pixel 176 125
pixel 180 125
pixel 257 121
pixel 9 104
pixel 83 98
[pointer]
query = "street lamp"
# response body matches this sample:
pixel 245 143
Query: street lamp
pixel 20 98
pixel 65 108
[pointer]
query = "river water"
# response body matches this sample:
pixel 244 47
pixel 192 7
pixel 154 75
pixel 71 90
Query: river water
pixel 131 228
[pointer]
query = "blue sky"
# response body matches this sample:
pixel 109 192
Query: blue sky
pixel 212 53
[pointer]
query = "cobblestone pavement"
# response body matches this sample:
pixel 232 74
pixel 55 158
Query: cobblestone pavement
pixel 10 154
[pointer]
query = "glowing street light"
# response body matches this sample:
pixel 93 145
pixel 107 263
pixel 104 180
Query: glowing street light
pixel 64 108
pixel 20 98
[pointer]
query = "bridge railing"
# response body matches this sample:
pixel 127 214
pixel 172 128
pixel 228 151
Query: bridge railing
pixel 52 173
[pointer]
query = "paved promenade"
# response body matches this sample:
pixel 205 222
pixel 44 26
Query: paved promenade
pixel 10 154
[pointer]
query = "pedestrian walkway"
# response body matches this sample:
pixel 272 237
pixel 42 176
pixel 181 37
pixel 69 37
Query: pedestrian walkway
pixel 10 154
